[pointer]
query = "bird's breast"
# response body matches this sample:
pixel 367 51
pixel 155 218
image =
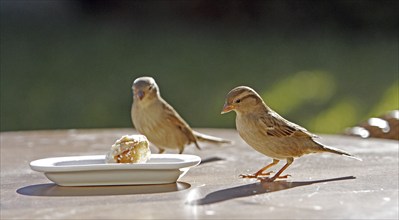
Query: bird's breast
pixel 152 121
pixel 145 118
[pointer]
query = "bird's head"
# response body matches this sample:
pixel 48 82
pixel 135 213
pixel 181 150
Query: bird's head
pixel 145 88
pixel 242 99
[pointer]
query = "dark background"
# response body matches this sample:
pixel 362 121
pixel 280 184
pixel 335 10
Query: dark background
pixel 323 64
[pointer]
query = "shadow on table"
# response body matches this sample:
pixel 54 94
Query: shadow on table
pixel 51 189
pixel 210 160
pixel 256 189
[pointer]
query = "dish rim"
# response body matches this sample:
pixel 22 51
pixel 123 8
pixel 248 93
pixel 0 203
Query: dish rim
pixel 50 164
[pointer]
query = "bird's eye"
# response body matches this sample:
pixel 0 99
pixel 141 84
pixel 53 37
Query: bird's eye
pixel 238 101
pixel 150 87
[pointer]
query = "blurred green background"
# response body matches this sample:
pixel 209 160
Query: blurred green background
pixel 323 64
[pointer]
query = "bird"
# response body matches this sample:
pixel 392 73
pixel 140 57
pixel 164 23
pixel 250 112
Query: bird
pixel 270 134
pixel 153 117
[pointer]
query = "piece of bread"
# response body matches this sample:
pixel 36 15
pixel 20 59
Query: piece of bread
pixel 129 149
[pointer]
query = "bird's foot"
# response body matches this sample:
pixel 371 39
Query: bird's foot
pixel 271 179
pixel 248 176
pixel 255 175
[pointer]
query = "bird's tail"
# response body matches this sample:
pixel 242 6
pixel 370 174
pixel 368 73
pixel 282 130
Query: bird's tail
pixel 337 151
pixel 211 139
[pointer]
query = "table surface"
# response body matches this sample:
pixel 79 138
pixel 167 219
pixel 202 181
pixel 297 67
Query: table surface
pixel 322 185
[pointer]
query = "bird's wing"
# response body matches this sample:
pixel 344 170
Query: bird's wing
pixel 277 126
pixel 173 117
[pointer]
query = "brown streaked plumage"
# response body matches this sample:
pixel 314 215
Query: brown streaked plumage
pixel 153 117
pixel 269 133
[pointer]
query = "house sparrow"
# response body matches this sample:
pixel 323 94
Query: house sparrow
pixel 269 133
pixel 153 117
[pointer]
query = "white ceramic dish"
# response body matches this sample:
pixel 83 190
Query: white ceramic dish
pixel 92 170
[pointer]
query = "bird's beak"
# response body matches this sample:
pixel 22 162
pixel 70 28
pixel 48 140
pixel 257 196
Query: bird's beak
pixel 227 108
pixel 140 94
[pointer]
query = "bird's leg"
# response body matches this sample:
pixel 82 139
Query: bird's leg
pixel 260 172
pixel 196 144
pixel 277 175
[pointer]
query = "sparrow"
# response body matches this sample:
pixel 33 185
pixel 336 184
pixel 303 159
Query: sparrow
pixel 269 133
pixel 153 117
